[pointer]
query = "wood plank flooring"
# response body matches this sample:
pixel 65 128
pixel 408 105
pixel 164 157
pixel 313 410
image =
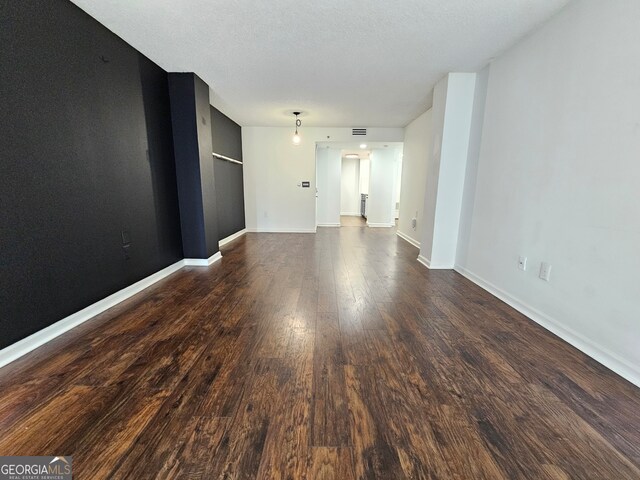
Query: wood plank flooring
pixel 327 356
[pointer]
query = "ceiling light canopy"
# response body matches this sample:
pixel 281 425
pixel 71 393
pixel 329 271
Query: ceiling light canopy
pixel 363 145
pixel 296 136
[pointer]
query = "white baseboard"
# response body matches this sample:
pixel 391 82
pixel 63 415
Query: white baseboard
pixel 600 354
pixel 24 346
pixel 427 263
pixel 350 214
pixel 380 225
pixel 281 230
pixel 424 260
pixel 231 237
pixel 407 238
pixel 202 262
pixel 328 224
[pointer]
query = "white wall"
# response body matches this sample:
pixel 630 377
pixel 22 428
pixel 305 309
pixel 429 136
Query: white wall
pixel 558 180
pixel 475 142
pixel 417 148
pixel 273 168
pixel 365 175
pixel 397 187
pixel 433 165
pixel 380 211
pixel 453 101
pixel 350 187
pixel 328 171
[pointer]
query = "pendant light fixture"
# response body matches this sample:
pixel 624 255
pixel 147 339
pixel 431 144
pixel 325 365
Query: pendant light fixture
pixel 296 136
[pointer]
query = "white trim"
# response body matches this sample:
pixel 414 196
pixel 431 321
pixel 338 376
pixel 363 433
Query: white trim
pixel 424 260
pixel 350 214
pixel 427 263
pixel 281 230
pixel 202 262
pixel 24 346
pixel 407 238
pixel 599 353
pixel 328 224
pixel 231 237
pixel 228 159
pixel 379 225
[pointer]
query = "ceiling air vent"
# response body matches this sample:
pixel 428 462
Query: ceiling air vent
pixel 358 132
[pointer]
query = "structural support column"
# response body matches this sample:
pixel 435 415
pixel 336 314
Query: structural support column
pixel 453 100
pixel 191 123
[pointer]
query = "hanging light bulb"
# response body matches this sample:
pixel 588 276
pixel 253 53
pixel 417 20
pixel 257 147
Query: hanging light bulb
pixel 296 136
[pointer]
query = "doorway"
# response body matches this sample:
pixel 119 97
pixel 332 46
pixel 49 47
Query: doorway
pixel 352 221
pixel 358 185
pixel 354 187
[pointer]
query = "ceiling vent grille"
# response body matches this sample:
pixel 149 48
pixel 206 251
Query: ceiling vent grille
pixel 358 132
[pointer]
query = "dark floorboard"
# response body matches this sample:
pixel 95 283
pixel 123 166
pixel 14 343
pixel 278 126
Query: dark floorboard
pixel 327 356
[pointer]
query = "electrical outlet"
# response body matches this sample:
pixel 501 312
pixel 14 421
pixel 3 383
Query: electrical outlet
pixel 545 271
pixel 522 263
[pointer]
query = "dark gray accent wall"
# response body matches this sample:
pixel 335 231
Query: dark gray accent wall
pixel 230 195
pixel 209 197
pixel 227 141
pixel 226 135
pixel 88 198
pixel 191 120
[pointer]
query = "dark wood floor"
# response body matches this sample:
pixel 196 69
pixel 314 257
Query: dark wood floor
pixel 334 355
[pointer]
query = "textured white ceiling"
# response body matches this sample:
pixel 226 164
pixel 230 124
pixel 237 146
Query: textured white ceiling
pixel 344 63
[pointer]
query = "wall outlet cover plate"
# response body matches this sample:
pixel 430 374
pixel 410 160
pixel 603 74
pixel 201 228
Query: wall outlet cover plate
pixel 545 271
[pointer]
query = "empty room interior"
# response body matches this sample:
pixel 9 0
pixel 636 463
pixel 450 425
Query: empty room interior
pixel 320 240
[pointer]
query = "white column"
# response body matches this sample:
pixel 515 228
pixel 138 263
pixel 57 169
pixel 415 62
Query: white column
pixel 452 113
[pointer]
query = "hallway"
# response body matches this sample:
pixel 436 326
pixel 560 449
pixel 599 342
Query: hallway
pixel 335 355
pixel 352 221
